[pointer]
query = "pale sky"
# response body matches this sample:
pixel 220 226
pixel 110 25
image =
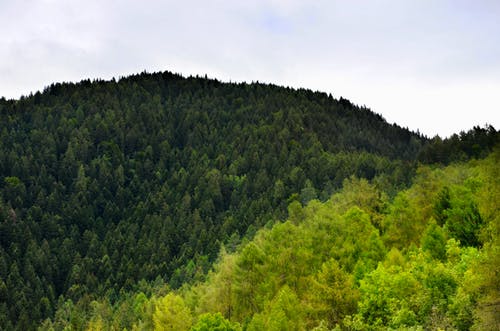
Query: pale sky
pixel 430 65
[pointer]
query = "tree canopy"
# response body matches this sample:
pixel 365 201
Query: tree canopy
pixel 115 192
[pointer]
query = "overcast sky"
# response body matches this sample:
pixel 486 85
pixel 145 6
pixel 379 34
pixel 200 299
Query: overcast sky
pixel 430 65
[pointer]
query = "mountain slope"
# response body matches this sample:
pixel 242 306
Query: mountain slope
pixel 359 261
pixel 106 183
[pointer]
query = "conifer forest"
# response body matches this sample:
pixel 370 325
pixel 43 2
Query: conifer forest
pixel 163 202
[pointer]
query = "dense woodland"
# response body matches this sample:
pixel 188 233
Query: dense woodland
pixel 158 201
pixel 426 259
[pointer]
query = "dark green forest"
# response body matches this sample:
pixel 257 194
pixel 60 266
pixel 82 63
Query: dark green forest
pixel 426 259
pixel 123 202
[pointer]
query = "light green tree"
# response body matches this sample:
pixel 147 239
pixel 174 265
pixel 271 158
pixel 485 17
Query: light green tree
pixel 283 313
pixel 214 322
pixel 171 313
pixel 333 294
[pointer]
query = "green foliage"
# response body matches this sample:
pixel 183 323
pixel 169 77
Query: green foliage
pixel 463 220
pixel 171 313
pixel 218 296
pixel 106 183
pixel 434 241
pixel 281 314
pixel 328 268
pixel 487 286
pixel 108 190
pixel 333 293
pixel 476 143
pixel 214 322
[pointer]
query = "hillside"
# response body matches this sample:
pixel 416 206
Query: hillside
pixel 107 187
pixel 427 259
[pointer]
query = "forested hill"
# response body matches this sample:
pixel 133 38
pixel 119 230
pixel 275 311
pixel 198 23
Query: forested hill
pixel 190 111
pixel 427 259
pixel 107 183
